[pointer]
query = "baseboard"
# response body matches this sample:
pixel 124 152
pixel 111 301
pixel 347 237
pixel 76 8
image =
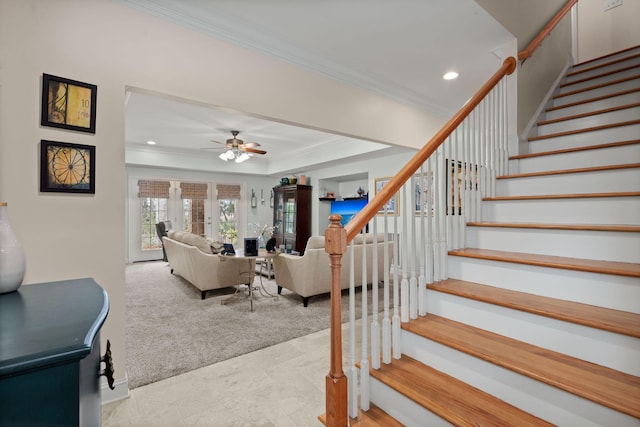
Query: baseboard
pixel 120 391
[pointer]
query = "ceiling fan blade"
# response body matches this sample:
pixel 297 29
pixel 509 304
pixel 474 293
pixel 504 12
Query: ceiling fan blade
pixel 251 144
pixel 218 142
pixel 252 150
pixel 213 148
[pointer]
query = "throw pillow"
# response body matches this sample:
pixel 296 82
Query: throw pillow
pixel 216 246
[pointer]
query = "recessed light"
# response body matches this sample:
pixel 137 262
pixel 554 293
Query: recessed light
pixel 151 142
pixel 450 75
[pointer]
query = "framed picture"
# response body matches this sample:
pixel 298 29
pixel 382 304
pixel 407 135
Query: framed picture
pixel 68 104
pixel 423 190
pixel 393 205
pixel 67 168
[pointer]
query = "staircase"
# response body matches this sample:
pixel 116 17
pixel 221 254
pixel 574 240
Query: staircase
pixel 539 321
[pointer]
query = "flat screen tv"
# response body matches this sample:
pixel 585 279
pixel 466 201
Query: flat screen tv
pixel 347 208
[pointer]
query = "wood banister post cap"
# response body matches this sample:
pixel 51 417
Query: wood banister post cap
pixel 335 236
pixel 512 64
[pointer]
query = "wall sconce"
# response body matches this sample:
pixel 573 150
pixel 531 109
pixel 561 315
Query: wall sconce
pixel 262 197
pixel 254 200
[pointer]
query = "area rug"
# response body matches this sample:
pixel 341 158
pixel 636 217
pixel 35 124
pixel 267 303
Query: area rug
pixel 170 330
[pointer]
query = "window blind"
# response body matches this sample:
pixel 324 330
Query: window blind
pixel 193 190
pixel 227 191
pixel 153 189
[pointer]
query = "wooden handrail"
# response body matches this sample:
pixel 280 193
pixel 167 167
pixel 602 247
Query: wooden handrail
pixel 361 219
pixel 528 51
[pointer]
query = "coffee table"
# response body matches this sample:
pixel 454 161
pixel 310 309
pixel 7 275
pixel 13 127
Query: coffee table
pixel 241 260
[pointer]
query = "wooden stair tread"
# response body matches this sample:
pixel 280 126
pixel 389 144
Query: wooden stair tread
pixel 551 261
pixel 598 86
pixel 604 64
pixel 449 398
pixel 568 171
pixel 546 226
pixel 577 149
pixel 599 384
pixel 584 130
pixel 589 114
pixel 374 417
pixel 617 321
pixel 601 75
pixel 594 99
pixel 564 196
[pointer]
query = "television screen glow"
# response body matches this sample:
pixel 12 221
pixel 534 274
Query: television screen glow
pixel 347 208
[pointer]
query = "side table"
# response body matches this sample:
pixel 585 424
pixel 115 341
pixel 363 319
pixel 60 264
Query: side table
pixel 50 354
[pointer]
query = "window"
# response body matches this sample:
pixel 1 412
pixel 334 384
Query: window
pixel 228 222
pixel 154 196
pixel 193 219
pixel 228 197
pixel 193 197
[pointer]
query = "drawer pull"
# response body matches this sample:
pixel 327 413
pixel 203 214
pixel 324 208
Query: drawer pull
pixel 108 366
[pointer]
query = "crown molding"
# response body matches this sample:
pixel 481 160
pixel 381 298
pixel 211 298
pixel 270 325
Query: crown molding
pixel 225 27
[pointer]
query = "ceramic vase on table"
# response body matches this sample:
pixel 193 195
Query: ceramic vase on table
pixel 12 261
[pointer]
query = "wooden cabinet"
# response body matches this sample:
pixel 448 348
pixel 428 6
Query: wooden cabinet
pixel 292 216
pixel 50 354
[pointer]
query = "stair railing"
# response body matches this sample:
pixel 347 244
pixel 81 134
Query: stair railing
pixel 474 154
pixel 455 169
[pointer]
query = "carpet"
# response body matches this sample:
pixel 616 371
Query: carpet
pixel 170 330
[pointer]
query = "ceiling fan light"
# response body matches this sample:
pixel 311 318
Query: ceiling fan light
pixel 227 155
pixel 242 157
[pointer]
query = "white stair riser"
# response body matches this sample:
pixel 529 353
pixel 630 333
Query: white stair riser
pixel 619 180
pixel 602 104
pixel 600 245
pixel 615 351
pixel 602 70
pixel 620 73
pixel 402 408
pixel 609 58
pixel 614 210
pixel 556 406
pixel 606 90
pixel 579 159
pixel 605 290
pixel 591 121
pixel 615 134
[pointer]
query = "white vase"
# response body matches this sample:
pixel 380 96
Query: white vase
pixel 12 262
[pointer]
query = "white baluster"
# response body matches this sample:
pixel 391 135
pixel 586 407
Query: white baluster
pixel 375 324
pixel 395 323
pixel 386 321
pixel 352 372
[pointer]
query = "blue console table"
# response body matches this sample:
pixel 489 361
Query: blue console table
pixel 50 354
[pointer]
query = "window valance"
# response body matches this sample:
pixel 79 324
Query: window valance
pixel 227 191
pixel 193 190
pixel 153 189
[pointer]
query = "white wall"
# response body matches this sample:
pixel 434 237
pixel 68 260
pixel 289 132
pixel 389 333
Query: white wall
pixel 601 32
pixel 115 47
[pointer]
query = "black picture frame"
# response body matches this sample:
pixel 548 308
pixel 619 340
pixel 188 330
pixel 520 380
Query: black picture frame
pixel 67 168
pixel 68 104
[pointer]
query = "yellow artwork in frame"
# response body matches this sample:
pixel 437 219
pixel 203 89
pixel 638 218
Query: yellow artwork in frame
pixel 68 104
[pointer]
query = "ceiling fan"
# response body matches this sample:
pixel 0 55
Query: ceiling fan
pixel 236 149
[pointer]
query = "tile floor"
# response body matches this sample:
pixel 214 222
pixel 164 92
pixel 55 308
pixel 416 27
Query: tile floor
pixel 280 386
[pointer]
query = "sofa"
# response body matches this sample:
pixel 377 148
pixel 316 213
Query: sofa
pixel 310 274
pixel 191 257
